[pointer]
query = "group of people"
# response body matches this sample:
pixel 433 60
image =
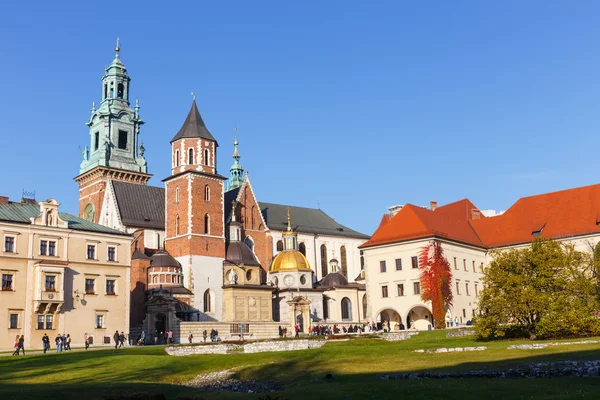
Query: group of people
pixel 62 342
pixel 119 339
pixel 19 345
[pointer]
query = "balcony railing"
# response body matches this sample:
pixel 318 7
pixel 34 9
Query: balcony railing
pixel 50 297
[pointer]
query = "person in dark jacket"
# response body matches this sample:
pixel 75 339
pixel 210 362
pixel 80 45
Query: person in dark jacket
pixel 46 342
pixel 21 345
pixel 116 338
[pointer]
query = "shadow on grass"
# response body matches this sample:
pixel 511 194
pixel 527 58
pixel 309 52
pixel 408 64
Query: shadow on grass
pixel 100 374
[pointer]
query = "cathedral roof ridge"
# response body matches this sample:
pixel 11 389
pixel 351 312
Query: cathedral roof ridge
pixel 194 126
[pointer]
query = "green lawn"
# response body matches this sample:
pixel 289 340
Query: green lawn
pixel 355 365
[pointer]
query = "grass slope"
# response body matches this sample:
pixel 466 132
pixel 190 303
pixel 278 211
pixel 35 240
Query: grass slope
pixel 355 365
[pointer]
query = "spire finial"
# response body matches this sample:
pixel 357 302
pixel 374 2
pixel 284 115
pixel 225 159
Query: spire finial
pixel 233 210
pixel 193 96
pixel 117 49
pixel 289 227
pixel 93 106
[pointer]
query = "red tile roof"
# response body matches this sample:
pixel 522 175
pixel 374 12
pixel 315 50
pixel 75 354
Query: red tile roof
pixel 560 214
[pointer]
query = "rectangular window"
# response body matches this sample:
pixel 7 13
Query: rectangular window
pixel 91 252
pixel 474 268
pixel 457 287
pixel 96 140
pixel 7 282
pixel 464 313
pixel 476 290
pixel 415 262
pixel 89 286
pixel 99 321
pixel 48 321
pixel 455 264
pixel 467 288
pixel 50 283
pixel 400 289
pixel 52 248
pixel 398 264
pixel 417 287
pixel 40 322
pixel 9 244
pixel 43 247
pixel 481 268
pixel 111 254
pixel 122 140
pixel 110 286
pixel 14 321
pixel 384 292
pixel 382 267
pixel 465 263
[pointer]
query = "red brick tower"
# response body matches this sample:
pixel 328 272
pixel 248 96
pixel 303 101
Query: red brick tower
pixel 195 231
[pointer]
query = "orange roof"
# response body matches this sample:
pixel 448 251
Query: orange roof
pixel 566 213
pixel 554 215
pixel 413 222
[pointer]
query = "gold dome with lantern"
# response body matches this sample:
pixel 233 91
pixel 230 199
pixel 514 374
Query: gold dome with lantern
pixel 290 259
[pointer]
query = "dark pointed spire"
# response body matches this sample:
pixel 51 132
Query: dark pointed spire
pixel 194 127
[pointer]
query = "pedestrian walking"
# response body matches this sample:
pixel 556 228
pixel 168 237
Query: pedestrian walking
pixel 63 340
pixel 16 346
pixel 204 334
pixel 86 338
pixel 191 337
pixel 58 342
pixel 170 335
pixel 116 338
pixel 21 345
pixel 46 342
pixel 142 338
pixel 122 339
pixel 68 342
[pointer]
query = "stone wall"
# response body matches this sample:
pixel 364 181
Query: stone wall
pixel 251 347
pixel 257 330
pixel 460 332
pixel 395 336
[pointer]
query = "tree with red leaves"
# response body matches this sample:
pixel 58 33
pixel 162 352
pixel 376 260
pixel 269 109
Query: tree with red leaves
pixel 436 281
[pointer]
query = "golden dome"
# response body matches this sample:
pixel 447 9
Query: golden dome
pixel 290 260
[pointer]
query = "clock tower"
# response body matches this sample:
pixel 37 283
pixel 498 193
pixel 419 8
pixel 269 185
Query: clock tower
pixel 114 151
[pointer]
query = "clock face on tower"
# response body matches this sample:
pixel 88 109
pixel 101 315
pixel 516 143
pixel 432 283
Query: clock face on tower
pixel 288 280
pixel 88 213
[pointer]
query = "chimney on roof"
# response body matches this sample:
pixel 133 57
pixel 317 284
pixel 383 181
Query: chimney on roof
pixel 432 205
pixel 3 199
pixel 475 213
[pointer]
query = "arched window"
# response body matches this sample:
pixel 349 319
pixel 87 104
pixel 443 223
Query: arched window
pixel 207 305
pixel 346 309
pixel 206 193
pixel 177 158
pixel 302 248
pixel 206 157
pixel 344 261
pixel 177 226
pixel 190 156
pixel 177 194
pixel 323 260
pixel 206 224
pixel 249 242
pixel 364 301
pixel 120 91
pixel 280 245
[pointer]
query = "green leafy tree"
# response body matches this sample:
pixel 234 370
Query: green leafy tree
pixel 547 290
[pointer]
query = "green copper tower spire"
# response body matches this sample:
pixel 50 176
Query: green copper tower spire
pixel 114 126
pixel 236 176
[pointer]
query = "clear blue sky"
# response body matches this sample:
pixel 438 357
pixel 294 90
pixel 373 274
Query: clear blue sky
pixel 353 105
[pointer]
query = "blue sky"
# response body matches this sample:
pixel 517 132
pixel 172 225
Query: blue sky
pixel 354 106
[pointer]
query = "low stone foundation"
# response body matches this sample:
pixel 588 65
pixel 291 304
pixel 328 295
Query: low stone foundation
pixel 451 349
pixel 250 347
pixel 395 336
pixel 544 345
pixel 537 370
pixel 460 332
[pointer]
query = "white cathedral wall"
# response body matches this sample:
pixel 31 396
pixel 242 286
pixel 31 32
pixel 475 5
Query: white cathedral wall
pixel 109 213
pixel 313 244
pixel 206 274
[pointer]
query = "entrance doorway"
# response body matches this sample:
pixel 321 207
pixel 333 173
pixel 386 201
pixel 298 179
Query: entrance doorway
pixel 161 323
